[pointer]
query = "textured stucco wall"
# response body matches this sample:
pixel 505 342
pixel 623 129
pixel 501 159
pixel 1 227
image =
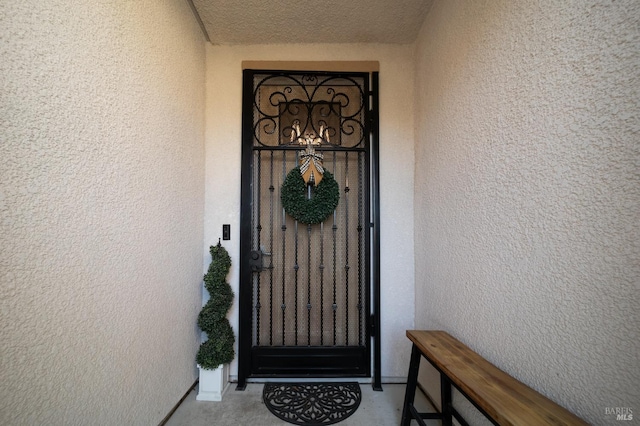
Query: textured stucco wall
pixel 223 140
pixel 101 209
pixel 527 192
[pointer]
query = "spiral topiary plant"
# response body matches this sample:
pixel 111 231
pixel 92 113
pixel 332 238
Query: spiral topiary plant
pixel 218 349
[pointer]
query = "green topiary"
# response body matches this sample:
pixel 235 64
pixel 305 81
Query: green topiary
pixel 218 349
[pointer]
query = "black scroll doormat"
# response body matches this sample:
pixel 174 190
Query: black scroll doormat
pixel 312 404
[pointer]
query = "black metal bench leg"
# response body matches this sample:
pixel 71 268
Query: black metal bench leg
pixel 445 399
pixel 412 381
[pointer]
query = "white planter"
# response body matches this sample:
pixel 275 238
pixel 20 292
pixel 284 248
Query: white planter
pixel 213 383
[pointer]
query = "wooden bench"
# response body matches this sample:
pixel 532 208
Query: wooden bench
pixel 500 397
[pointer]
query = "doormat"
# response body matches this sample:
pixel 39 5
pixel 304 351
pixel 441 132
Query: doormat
pixel 312 404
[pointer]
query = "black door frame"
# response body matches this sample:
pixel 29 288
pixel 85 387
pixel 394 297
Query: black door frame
pixel 245 355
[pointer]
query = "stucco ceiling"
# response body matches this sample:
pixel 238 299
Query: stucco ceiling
pixel 311 21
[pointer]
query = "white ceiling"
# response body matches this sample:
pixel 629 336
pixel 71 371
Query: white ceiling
pixel 311 21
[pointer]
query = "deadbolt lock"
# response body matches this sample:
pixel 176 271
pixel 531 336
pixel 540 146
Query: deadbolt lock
pixel 256 260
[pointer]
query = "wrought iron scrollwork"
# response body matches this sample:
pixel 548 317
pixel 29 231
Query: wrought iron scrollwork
pixel 329 108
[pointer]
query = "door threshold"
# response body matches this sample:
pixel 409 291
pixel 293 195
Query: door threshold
pixel 360 380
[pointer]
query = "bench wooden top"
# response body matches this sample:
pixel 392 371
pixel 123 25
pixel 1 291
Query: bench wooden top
pixel 507 400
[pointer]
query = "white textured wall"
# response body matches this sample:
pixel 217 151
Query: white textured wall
pixel 527 192
pixel 101 209
pixel 224 102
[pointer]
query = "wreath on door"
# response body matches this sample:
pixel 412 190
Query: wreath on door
pixel 315 209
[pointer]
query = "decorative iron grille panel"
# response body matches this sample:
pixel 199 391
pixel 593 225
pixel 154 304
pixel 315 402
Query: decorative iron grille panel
pixel 312 291
pixel 333 104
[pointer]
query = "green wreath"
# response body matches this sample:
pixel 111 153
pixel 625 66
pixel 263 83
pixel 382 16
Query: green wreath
pixel 318 207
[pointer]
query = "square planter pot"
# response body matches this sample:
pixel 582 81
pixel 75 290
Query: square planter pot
pixel 213 383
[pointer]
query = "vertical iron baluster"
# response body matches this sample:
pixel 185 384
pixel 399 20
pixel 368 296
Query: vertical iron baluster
pixel 346 247
pixel 360 213
pixel 321 283
pixel 271 201
pixel 335 244
pixel 309 286
pixel 284 250
pixel 296 267
pixel 258 242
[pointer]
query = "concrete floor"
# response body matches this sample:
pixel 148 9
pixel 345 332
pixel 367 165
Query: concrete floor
pixel 246 408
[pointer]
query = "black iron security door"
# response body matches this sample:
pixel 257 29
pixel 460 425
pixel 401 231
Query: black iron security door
pixel 308 271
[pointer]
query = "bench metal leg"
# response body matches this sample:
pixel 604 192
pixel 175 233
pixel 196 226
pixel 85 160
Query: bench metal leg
pixel 446 400
pixel 408 410
pixel 412 382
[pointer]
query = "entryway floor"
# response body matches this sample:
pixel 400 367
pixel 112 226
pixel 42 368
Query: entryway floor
pixel 240 408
